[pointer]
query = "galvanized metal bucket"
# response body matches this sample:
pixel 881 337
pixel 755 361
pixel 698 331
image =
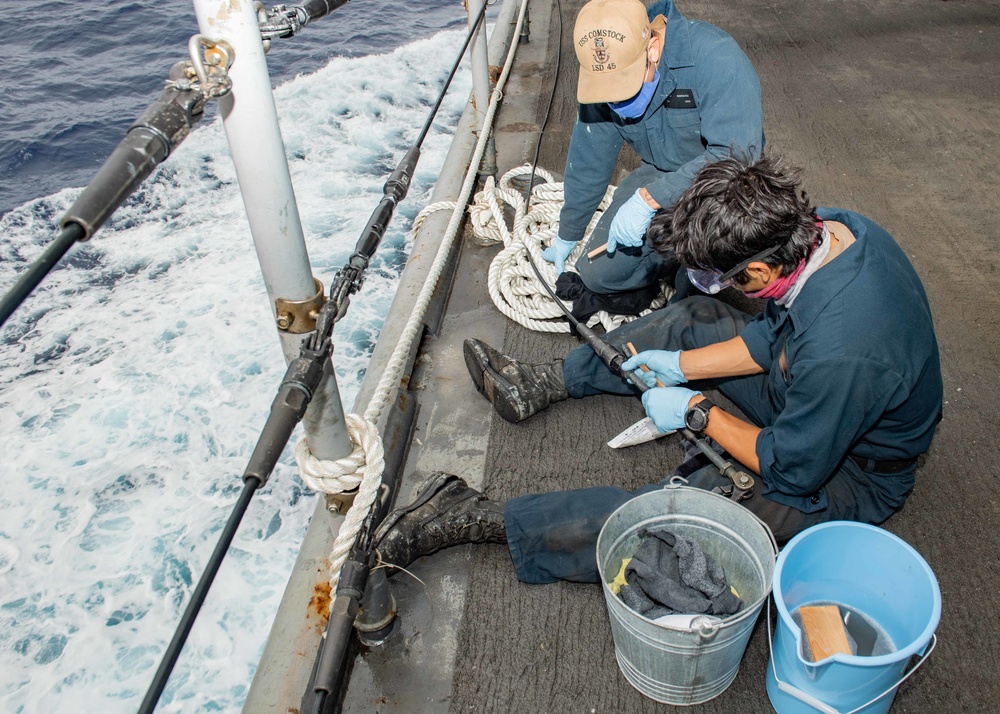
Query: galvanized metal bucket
pixel 677 665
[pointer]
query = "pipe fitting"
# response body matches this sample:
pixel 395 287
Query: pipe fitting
pixel 299 316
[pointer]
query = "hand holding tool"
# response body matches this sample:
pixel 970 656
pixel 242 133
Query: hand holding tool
pixel 742 482
pixel 666 406
pixel 663 367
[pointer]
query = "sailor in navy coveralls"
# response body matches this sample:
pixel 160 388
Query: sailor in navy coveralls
pixel 681 94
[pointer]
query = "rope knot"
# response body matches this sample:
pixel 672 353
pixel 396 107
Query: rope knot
pixel 346 474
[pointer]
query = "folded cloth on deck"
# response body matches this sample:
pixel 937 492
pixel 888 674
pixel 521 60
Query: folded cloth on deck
pixel 670 574
pixel 569 286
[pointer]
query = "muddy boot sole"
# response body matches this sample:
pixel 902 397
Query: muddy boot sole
pixel 506 398
pixel 477 360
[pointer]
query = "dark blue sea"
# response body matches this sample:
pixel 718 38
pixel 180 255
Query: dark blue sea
pixel 135 380
pixel 74 75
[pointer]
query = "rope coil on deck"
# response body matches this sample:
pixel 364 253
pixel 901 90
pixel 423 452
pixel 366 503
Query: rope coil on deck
pixel 513 284
pixel 332 474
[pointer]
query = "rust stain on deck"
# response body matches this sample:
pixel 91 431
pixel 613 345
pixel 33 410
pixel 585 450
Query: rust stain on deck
pixel 319 603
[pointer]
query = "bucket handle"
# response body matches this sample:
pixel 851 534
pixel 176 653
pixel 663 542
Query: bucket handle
pixel 679 482
pixel 823 706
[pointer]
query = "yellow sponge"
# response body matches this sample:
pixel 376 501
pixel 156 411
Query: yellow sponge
pixel 619 580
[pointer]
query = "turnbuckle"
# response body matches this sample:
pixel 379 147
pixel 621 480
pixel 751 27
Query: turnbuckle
pixel 731 492
pixel 279 21
pixel 741 486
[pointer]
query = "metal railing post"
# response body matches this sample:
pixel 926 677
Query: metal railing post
pixel 481 86
pixel 251 123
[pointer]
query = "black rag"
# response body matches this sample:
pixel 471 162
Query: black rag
pixel 569 286
pixel 669 574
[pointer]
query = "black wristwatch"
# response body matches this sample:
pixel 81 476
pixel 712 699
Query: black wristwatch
pixel 696 417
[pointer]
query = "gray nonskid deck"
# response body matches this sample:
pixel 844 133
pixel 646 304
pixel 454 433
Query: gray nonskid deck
pixel 890 108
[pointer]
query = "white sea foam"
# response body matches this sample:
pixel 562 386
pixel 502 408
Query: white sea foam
pixel 134 383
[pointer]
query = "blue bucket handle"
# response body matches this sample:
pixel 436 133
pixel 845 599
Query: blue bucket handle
pixel 823 706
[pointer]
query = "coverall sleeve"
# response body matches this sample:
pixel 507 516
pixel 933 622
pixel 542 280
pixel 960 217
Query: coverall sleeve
pixel 593 152
pixel 732 118
pixel 829 405
pixel 759 336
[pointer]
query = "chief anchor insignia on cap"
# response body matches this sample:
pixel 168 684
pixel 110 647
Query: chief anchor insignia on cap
pixel 600 51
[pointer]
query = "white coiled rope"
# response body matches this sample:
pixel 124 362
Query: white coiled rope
pixel 513 284
pixel 363 468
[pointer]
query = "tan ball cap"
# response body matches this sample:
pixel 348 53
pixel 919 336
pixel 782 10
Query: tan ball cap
pixel 611 38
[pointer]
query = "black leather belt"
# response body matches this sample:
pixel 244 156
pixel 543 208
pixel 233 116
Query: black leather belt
pixel 883 467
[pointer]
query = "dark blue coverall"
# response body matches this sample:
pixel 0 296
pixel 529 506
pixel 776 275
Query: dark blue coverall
pixel 843 418
pixel 707 104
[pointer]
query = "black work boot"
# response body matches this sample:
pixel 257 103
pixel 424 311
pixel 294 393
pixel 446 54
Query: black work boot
pixel 447 512
pixel 517 389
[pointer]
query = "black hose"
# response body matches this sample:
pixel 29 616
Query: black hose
pixel 37 271
pixel 548 111
pixel 316 9
pixel 147 143
pixel 349 278
pixel 451 75
pixel 301 380
pixel 173 650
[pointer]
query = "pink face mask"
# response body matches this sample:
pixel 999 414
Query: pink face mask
pixel 779 286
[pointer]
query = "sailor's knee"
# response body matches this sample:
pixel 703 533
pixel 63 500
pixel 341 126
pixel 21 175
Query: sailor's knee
pixel 594 279
pixel 627 269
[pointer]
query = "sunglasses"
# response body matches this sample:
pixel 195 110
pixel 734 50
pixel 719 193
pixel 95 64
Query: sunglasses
pixel 715 281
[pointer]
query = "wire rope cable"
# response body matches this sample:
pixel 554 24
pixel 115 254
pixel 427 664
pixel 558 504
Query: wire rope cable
pixel 34 275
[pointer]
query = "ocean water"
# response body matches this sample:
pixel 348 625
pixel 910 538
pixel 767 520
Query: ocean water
pixel 134 382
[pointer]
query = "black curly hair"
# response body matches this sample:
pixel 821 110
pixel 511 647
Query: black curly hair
pixel 734 209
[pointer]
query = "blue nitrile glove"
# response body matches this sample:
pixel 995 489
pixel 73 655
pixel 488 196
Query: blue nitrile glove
pixel 663 365
pixel 629 225
pixel 666 406
pixel 558 252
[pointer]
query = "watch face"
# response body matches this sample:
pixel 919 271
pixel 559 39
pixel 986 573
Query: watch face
pixel 696 419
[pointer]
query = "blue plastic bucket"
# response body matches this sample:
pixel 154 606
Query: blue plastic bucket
pixel 870 571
